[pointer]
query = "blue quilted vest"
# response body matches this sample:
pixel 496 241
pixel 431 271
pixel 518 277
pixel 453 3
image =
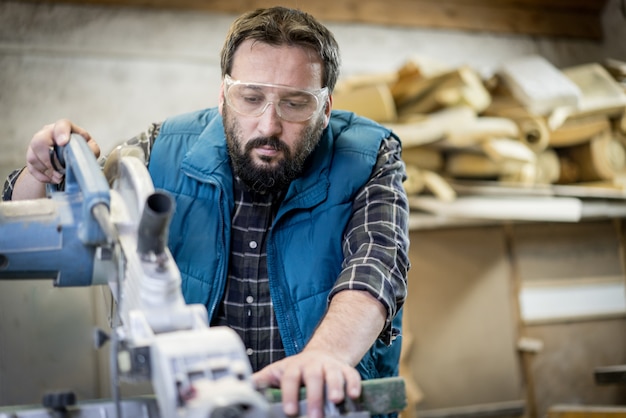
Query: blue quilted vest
pixel 304 253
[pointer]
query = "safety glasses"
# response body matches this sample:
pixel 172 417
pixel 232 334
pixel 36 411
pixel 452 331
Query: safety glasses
pixel 291 104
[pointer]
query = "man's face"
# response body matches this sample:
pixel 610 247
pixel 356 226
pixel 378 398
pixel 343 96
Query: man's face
pixel 267 151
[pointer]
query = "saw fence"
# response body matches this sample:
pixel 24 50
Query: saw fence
pixel 530 129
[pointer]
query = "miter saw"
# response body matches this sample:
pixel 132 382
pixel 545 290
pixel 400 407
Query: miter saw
pixel 112 230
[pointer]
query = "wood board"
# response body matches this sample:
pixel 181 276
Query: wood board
pixel 578 18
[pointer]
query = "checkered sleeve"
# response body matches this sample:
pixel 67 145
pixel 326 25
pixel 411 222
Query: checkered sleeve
pixel 376 241
pixel 9 183
pixel 144 141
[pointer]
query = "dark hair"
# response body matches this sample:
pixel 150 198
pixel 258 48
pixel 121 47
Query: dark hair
pixel 284 26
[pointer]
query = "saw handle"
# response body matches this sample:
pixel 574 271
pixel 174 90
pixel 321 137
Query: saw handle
pixel 84 178
pixel 57 159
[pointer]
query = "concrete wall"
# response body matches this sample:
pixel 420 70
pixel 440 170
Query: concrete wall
pixel 114 71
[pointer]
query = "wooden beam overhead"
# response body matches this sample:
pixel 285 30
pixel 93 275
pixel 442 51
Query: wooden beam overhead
pixel 550 18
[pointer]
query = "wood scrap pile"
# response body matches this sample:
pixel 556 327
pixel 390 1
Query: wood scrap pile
pixel 529 126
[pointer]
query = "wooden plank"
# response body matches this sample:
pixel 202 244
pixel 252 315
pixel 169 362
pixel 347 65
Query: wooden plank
pixel 578 19
pixel 582 411
pixel 378 396
pixel 491 410
pixel 563 300
pixel 588 5
pixel 471 17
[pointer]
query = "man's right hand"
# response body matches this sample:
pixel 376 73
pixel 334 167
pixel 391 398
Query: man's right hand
pixel 39 170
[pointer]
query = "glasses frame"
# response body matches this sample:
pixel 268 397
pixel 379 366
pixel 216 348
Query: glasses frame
pixel 320 95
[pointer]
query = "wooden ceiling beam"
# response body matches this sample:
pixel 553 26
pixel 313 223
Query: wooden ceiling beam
pixel 551 18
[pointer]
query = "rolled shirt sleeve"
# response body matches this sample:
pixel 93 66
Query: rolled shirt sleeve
pixel 376 240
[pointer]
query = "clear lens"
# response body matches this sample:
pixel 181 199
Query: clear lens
pixel 292 105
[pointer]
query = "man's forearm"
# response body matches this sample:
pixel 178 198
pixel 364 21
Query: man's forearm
pixel 352 324
pixel 27 187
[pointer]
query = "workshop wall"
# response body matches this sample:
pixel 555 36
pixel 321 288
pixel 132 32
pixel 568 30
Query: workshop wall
pixel 473 352
pixel 114 71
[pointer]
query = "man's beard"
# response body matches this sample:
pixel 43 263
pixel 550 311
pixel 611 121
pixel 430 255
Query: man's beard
pixel 266 179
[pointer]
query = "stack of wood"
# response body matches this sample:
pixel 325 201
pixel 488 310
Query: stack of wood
pixel 530 125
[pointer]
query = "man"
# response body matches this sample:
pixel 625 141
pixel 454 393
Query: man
pixel 291 219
